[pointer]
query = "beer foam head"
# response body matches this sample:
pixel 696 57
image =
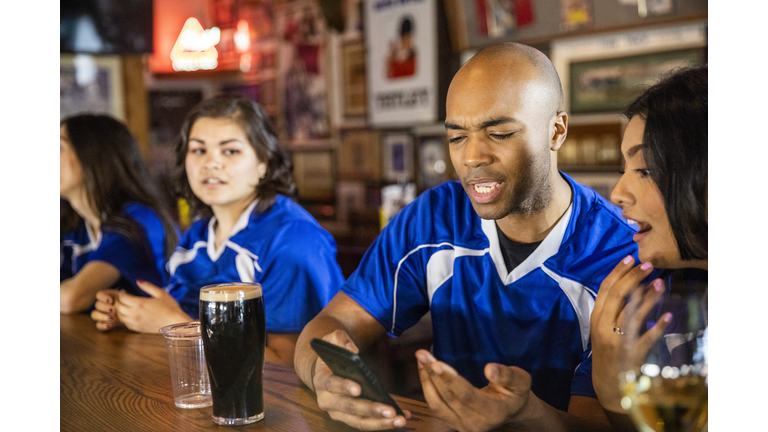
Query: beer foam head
pixel 230 292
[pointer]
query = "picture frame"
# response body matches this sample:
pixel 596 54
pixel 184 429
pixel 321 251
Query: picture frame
pixel 401 63
pixel 313 173
pixel 434 162
pixel 397 157
pixel 354 92
pixel 359 155
pixel 302 95
pixel 92 84
pixel 350 197
pixel 576 15
pixel 609 85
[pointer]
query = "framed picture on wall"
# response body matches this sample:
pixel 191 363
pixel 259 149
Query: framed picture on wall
pixel 91 84
pixel 313 172
pixel 302 93
pixel 353 80
pixel 611 84
pixel 397 155
pixel 350 197
pixel 401 62
pixel 433 166
pixel 359 155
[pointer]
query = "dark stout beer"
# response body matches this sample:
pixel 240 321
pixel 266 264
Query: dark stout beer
pixel 234 336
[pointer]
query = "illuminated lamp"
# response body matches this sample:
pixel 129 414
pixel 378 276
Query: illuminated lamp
pixel 242 36
pixel 194 48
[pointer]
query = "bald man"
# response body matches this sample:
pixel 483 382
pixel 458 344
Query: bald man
pixel 508 260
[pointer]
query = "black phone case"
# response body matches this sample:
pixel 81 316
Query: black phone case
pixel 349 365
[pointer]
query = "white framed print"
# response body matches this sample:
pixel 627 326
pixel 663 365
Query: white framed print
pixel 401 73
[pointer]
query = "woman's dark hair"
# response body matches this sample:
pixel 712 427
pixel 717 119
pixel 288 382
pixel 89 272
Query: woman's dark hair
pixel 114 175
pixel 254 121
pixel 675 152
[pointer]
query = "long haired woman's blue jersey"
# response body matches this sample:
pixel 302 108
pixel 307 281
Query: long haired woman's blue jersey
pixel 81 246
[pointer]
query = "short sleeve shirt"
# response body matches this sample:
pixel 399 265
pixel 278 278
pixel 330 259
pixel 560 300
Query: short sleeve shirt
pixel 81 246
pixel 284 249
pixel 437 254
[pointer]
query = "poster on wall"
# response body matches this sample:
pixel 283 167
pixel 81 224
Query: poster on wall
pixel 91 84
pixel 301 32
pixel 402 61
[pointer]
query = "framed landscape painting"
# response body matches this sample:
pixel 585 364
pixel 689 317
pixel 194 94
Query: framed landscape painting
pixel 609 85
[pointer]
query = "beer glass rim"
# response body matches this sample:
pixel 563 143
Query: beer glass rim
pixel 231 291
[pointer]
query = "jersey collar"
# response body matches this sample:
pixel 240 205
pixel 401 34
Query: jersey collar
pixel 548 247
pixel 241 223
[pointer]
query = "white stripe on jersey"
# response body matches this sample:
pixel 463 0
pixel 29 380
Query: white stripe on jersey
pixel 397 274
pixel 240 224
pixel 440 267
pixel 182 256
pixel 582 299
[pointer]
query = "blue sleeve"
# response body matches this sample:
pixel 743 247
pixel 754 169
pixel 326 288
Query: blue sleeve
pixel 582 377
pixel 153 232
pixel 302 276
pixel 189 303
pixel 177 286
pixel 128 259
pixel 390 282
pixel 65 261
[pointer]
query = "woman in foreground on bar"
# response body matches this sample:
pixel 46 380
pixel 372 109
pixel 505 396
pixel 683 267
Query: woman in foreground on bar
pixel 663 189
pixel 240 183
pixel 114 228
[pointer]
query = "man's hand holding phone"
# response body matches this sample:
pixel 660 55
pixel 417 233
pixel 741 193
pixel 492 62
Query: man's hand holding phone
pixel 339 396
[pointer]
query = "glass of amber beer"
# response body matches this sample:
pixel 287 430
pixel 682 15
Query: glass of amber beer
pixel 234 336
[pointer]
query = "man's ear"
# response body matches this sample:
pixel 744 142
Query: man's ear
pixel 559 130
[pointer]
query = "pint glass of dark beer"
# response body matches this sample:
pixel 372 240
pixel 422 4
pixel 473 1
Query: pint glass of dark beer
pixel 234 335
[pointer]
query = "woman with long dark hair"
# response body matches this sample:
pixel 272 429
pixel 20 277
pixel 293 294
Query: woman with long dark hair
pixel 240 186
pixel 664 190
pixel 114 229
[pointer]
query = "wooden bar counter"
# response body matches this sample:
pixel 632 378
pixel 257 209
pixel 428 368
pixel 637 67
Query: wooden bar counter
pixel 120 380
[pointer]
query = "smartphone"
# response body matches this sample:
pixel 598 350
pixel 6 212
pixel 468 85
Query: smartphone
pixel 349 365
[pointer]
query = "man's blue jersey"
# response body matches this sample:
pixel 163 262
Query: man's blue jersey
pixel 438 255
pixel 284 249
pixel 81 246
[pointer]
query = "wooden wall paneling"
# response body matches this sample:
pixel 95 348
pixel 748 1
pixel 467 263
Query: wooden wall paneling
pixel 136 108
